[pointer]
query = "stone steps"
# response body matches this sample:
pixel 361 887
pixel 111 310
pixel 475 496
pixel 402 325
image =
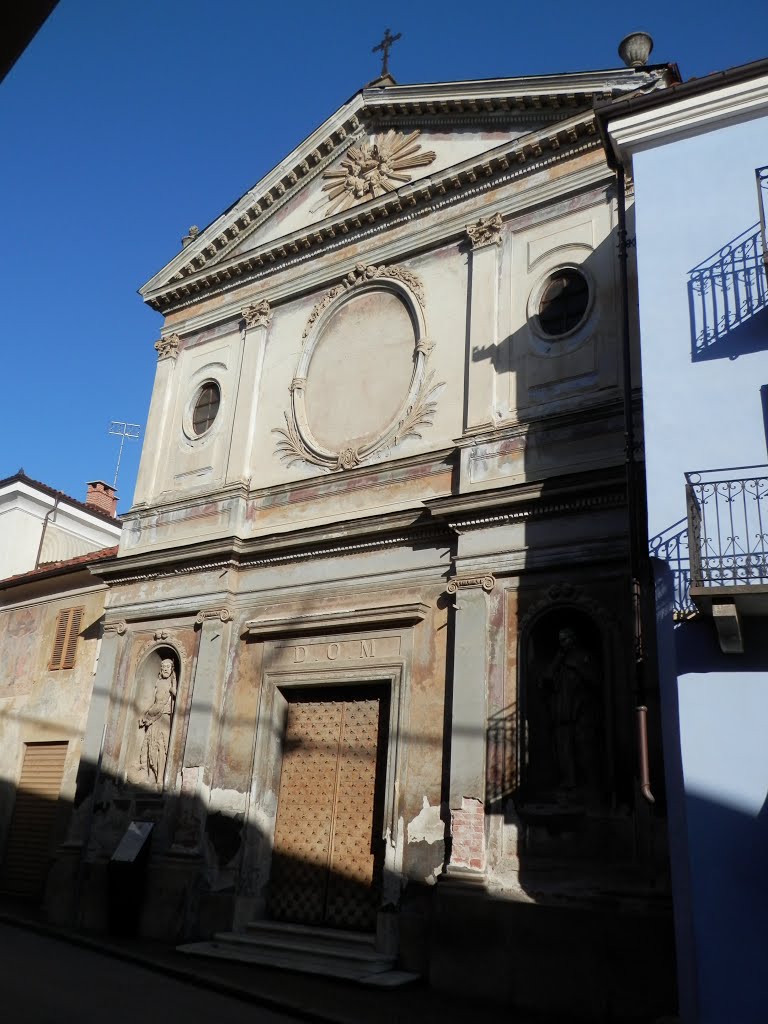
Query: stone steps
pixel 326 951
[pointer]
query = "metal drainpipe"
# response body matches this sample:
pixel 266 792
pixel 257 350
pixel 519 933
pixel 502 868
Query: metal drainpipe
pixel 635 555
pixel 48 514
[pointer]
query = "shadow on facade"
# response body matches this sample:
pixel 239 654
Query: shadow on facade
pixel 728 300
pixel 585 858
pixel 729 893
pixel 671 546
pixel 577 916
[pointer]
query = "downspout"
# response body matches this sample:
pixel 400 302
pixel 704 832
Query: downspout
pixel 48 514
pixel 636 549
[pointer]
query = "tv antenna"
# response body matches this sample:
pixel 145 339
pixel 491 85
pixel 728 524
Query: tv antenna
pixel 125 431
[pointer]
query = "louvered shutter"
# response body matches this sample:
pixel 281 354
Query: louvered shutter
pixel 65 640
pixel 75 618
pixel 62 622
pixel 31 832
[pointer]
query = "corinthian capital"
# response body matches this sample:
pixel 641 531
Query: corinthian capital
pixel 485 232
pixel 168 348
pixel 259 314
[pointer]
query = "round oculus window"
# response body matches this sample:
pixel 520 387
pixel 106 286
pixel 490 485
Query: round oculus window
pixel 563 303
pixel 205 408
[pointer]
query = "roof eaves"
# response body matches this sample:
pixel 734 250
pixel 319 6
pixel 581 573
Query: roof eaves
pixel 61 568
pixel 641 101
pixel 22 477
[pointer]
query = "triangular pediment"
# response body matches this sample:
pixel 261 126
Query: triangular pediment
pixel 385 146
pixel 374 164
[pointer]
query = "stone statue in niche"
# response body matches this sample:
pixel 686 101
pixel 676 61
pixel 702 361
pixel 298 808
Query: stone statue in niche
pixel 564 713
pixel 155 725
pixel 568 683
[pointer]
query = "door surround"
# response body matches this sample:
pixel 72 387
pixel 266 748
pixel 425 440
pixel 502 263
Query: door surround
pixel 340 667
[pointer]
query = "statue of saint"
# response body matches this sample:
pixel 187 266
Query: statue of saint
pixel 156 723
pixel 568 686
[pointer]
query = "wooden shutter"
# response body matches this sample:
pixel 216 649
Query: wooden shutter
pixel 65 638
pixel 28 849
pixel 75 618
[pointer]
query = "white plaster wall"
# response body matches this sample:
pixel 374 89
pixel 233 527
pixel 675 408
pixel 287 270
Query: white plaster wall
pixel 20 530
pixel 69 531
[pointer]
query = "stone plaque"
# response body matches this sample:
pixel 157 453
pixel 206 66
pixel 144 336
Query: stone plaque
pixel 358 650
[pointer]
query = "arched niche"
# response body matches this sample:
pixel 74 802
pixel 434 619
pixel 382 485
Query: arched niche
pixel 566 663
pixel 150 725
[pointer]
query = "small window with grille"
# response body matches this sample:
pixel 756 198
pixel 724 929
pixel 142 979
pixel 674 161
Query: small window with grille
pixel 65 638
pixel 206 407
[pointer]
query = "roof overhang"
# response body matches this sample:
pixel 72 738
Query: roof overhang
pixel 631 125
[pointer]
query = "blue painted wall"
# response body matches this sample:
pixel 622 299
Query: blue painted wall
pixel 703 410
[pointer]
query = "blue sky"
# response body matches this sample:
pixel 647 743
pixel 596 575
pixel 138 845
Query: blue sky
pixel 125 122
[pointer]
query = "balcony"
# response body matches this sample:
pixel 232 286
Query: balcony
pixel 728 542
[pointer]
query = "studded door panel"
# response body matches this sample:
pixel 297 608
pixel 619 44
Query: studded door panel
pixel 305 812
pixel 324 864
pixel 352 896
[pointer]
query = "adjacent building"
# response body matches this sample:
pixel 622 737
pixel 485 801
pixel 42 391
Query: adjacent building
pixel 698 156
pixel 50 626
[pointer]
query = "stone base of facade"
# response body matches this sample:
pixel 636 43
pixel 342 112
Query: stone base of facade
pixel 595 963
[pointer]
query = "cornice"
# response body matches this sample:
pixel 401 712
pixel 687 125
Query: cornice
pixel 388 615
pixel 511 160
pixel 512 92
pixel 576 415
pixel 532 498
pixel 146 568
pixel 387 247
pixel 539 510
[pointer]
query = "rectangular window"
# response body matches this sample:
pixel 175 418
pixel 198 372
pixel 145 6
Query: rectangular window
pixel 65 638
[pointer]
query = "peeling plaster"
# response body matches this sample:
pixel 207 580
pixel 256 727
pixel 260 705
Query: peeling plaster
pixel 393 859
pixel 427 826
pixel 227 800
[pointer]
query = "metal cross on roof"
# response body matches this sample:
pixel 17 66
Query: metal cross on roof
pixel 385 45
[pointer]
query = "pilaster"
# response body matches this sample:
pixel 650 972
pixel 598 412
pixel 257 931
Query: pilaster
pixel 157 421
pixel 202 728
pixel 485 240
pixel 468 725
pixel 256 320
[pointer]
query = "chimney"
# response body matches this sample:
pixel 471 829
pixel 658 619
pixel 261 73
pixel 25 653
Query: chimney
pixel 102 497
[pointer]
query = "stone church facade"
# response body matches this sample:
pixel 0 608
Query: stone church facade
pixel 366 653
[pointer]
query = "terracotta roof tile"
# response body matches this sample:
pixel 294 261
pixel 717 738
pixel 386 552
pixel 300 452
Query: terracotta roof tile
pixel 52 568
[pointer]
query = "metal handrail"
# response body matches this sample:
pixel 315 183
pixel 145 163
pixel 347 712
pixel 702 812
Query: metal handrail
pixel 728 527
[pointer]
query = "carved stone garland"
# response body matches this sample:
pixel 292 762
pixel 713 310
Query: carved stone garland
pixel 296 443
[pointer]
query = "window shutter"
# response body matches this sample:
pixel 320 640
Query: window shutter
pixel 75 618
pixel 59 639
pixel 65 640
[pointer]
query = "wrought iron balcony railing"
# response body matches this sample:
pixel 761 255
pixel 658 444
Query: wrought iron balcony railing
pixel 728 526
pixel 727 290
pixel 671 546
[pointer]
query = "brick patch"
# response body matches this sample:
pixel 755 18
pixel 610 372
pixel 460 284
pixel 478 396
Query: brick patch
pixel 468 830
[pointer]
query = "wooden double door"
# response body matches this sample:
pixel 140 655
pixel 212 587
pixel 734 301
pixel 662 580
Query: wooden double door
pixel 328 850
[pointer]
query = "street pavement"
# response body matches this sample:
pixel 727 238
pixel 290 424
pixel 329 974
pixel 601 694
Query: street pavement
pixel 49 981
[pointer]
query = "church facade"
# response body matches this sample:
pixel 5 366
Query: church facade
pixel 366 663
